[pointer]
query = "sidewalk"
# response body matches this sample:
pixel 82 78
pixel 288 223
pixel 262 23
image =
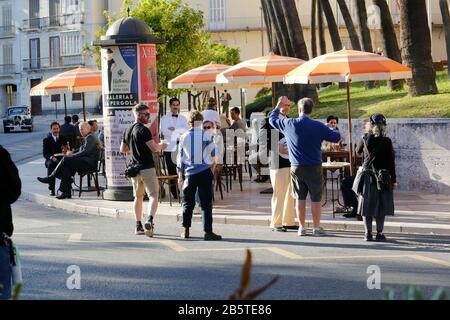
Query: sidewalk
pixel 415 213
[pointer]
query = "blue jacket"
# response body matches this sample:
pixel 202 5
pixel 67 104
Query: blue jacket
pixel 304 137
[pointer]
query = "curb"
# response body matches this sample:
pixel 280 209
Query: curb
pixel 353 226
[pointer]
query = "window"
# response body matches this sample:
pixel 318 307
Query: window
pixel 72 6
pixel 35 53
pixel 8 53
pixel 216 14
pixel 34 13
pixel 6 16
pixel 71 43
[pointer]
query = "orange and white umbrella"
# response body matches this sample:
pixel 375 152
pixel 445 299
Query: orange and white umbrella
pixel 266 69
pixel 348 66
pixel 201 78
pixel 79 80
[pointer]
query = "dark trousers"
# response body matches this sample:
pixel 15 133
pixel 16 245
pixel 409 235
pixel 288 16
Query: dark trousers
pixel 67 169
pixel 348 195
pixel 202 182
pixel 368 224
pixel 172 171
pixel 5 272
pixel 51 166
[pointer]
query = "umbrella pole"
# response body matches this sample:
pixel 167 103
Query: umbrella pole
pixel 273 94
pixel 84 108
pixel 65 105
pixel 350 129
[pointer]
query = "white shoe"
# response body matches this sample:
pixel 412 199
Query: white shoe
pixel 318 232
pixel 301 232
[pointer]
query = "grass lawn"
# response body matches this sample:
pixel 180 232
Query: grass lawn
pixel 333 101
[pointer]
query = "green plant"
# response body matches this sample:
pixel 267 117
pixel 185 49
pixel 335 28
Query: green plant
pixel 240 293
pixel 413 293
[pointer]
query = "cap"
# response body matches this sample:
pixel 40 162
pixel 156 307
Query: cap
pixel 377 119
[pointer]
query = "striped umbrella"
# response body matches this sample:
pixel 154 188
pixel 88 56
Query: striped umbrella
pixel 347 66
pixel 201 78
pixel 263 70
pixel 79 80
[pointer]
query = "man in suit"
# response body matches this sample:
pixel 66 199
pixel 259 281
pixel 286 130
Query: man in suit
pixel 69 131
pixel 53 144
pixel 84 159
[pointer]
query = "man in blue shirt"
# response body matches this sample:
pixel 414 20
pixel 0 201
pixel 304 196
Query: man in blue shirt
pixel 304 139
pixel 195 164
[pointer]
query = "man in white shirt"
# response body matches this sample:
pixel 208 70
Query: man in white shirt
pixel 211 114
pixel 173 125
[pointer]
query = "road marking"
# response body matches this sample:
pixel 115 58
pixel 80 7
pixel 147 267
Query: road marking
pixel 172 245
pixel 431 260
pixel 284 253
pixel 75 237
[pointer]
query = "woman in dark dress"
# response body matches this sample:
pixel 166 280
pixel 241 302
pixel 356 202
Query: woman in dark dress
pixel 376 199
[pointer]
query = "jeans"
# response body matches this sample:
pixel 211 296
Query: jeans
pixel 203 183
pixel 5 272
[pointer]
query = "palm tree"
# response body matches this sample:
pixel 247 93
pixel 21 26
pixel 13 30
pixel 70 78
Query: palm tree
pixel 313 28
pixel 390 44
pixel 416 47
pixel 349 24
pixel 321 29
pixel 332 26
pixel 445 20
pixel 365 33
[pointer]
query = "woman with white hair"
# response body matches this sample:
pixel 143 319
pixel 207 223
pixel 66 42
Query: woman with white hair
pixel 378 179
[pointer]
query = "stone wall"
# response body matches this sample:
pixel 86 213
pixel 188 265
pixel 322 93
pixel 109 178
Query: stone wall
pixel 422 150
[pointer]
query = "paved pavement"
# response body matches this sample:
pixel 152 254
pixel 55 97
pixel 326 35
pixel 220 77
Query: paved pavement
pixel 113 263
pixel 415 213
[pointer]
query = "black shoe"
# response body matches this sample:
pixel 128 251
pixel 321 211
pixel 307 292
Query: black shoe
pixel 380 237
pixel 211 236
pixel 368 237
pixel 44 180
pixel 350 215
pixel 64 196
pixel 294 227
pixel 149 228
pixel 359 218
pixel 279 229
pixel 185 233
pixel 139 229
pixel 52 193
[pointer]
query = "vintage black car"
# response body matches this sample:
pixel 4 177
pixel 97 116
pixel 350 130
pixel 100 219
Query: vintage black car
pixel 18 118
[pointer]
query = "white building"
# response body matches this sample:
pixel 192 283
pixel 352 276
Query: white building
pixel 41 38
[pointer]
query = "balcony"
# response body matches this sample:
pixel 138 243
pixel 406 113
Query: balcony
pixel 7 31
pixel 52 22
pixel 49 63
pixel 7 69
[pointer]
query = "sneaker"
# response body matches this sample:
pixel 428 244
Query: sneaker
pixel 139 229
pixel 149 228
pixel 368 237
pixel 380 237
pixel 279 229
pixel 185 233
pixel 211 236
pixel 317 232
pixel 301 232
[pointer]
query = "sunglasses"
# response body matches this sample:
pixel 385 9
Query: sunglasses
pixel 207 127
pixel 147 114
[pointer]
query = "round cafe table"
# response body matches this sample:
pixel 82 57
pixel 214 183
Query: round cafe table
pixel 332 167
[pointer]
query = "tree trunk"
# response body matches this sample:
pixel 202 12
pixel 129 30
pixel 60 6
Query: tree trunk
pixel 313 29
pixel 332 26
pixel 321 29
pixel 446 24
pixel 349 24
pixel 390 44
pixel 416 47
pixel 275 15
pixel 365 32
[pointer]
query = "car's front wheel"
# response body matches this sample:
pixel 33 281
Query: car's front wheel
pixel 6 130
pixel 30 129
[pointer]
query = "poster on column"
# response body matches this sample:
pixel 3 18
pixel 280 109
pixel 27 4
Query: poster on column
pixel 120 94
pixel 148 82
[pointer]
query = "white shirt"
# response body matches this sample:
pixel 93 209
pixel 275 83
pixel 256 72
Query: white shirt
pixel 171 137
pixel 54 138
pixel 212 116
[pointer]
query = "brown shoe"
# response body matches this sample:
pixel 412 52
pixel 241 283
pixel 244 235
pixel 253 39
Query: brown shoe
pixel 211 236
pixel 185 233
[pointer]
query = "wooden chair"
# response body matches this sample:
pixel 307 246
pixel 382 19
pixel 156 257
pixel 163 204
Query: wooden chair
pixel 90 174
pixel 165 179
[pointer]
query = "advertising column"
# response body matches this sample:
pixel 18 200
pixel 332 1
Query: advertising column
pixel 120 94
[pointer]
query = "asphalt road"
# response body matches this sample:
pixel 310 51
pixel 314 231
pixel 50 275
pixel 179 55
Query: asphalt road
pixel 113 263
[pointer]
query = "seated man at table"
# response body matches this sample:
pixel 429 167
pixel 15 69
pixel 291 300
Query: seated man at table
pixel 332 122
pixel 84 159
pixel 238 123
pixel 53 144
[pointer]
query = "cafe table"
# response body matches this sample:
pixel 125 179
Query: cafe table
pixel 330 168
